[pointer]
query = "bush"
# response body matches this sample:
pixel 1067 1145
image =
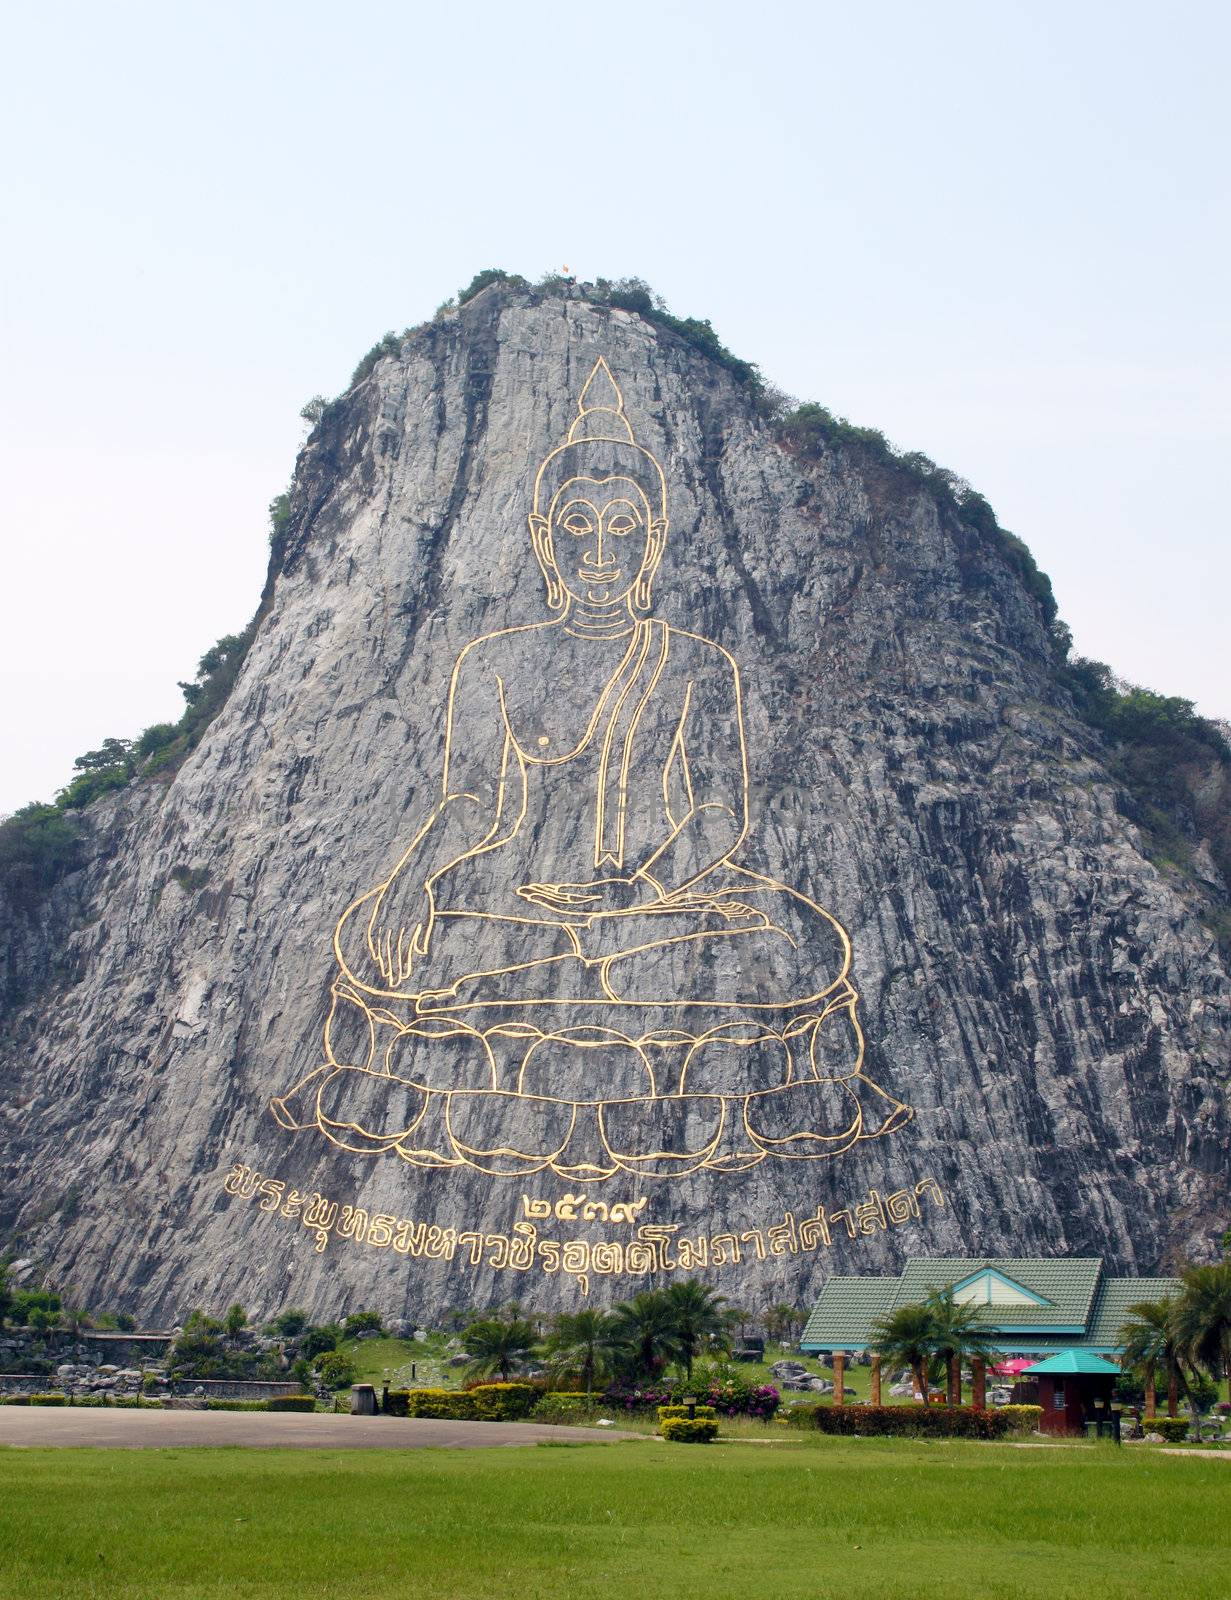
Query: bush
pixel 1023 1419
pixel 561 1407
pixel 1173 1429
pixel 290 1402
pixel 235 1405
pixel 14 1399
pixel 503 1402
pixel 290 1323
pixel 48 1399
pixel 362 1322
pixel 667 1412
pixel 454 1405
pixel 728 1394
pixel 924 1422
pixel 335 1369
pixel 678 1430
pixel 323 1336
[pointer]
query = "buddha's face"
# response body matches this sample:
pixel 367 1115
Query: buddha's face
pixel 600 536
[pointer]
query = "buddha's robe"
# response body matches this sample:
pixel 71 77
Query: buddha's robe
pixel 652 788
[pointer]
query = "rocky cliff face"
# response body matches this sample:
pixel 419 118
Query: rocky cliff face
pixel 1030 988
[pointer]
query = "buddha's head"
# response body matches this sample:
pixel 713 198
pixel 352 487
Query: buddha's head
pixel 599 522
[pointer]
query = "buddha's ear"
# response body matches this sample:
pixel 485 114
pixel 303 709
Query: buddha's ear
pixel 643 597
pixel 540 539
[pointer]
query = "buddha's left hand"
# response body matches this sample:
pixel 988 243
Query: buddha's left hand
pixel 601 897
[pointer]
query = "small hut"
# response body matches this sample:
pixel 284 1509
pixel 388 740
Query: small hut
pixel 1074 1388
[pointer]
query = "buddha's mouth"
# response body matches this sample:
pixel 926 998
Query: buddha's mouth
pixel 598 575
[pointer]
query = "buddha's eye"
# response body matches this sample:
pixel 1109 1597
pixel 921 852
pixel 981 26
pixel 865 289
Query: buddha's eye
pixel 577 524
pixel 621 523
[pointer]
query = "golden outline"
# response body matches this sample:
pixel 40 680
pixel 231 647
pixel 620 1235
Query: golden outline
pixel 687 889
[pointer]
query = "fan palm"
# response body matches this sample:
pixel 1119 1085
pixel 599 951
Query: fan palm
pixel 582 1344
pixel 1148 1346
pixel 958 1334
pixel 645 1329
pixel 494 1345
pixel 906 1338
pixel 698 1316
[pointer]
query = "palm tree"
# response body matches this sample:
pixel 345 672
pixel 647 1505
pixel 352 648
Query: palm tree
pixel 906 1338
pixel 1148 1346
pixel 698 1316
pixel 495 1345
pixel 958 1333
pixel 582 1344
pixel 1201 1319
pixel 645 1328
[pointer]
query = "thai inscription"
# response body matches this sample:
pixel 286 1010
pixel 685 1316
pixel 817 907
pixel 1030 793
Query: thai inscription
pixel 653 1247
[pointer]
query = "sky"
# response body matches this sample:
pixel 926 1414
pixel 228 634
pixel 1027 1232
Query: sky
pixel 999 232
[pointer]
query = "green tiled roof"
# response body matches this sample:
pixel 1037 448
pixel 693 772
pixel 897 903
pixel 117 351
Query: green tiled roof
pixel 1082 1307
pixel 1066 1285
pixel 1111 1307
pixel 847 1309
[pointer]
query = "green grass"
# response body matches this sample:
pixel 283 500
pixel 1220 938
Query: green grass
pixel 802 1520
pixel 376 1358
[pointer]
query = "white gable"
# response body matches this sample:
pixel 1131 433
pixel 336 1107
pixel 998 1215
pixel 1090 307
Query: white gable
pixel 990 1289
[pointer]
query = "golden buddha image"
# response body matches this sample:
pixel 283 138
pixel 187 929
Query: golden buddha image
pixel 567 968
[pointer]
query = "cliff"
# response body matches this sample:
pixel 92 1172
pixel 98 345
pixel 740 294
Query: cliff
pixel 1040 1001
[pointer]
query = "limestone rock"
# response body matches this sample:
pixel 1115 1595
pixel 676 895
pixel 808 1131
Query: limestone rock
pixel 1039 996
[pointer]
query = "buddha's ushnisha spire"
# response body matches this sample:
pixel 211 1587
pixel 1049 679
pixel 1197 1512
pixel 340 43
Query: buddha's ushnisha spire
pixel 600 409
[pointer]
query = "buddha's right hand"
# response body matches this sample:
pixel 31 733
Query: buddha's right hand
pixel 400 932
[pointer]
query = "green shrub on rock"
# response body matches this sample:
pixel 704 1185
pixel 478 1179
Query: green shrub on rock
pixel 1173 1429
pixel 679 1430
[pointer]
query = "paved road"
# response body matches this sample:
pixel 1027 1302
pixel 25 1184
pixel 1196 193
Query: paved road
pixel 40 1426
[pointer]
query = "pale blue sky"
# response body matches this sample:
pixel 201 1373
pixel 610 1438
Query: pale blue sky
pixel 999 232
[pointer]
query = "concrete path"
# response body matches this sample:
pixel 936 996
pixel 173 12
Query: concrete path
pixel 41 1426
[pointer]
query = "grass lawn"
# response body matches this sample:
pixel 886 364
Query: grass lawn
pixel 805 1517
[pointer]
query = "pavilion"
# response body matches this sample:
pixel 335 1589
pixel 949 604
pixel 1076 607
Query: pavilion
pixel 1033 1307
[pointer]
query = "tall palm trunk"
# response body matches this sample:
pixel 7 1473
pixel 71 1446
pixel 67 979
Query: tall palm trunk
pixel 1173 1388
pixel 1151 1396
pixel 921 1380
pixel 955 1379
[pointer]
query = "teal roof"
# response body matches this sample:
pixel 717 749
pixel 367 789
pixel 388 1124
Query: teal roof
pixel 1074 1361
pixel 1073 1302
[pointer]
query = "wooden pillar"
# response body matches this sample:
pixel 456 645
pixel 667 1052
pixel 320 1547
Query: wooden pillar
pixel 876 1381
pixel 839 1377
pixel 954 1392
pixel 978 1383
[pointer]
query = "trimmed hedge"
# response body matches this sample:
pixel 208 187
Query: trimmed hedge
pixel 679 1430
pixel 924 1422
pixel 14 1399
pixel 1173 1429
pixel 290 1402
pixel 454 1405
pixel 503 1402
pixel 1024 1419
pixel 487 1402
pixel 667 1412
